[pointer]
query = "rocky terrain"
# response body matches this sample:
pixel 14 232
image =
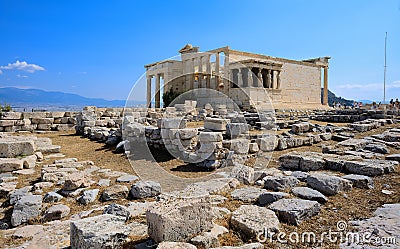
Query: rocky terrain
pixel 202 178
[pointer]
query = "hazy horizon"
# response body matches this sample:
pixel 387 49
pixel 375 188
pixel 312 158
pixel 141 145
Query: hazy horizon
pixel 100 51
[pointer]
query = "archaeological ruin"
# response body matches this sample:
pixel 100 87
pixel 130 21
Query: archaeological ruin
pixel 248 79
pixel 235 155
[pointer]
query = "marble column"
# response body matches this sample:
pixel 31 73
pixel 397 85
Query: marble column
pixel 260 79
pixel 249 77
pixel 226 70
pixel 217 70
pixel 158 94
pixel 148 96
pixel 269 79
pixel 273 79
pixel 191 76
pixel 200 75
pixel 240 79
pixel 208 69
pixel 325 99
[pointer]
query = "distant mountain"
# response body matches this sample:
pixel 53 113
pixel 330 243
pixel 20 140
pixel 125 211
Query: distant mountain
pixel 35 98
pixel 366 101
pixel 332 98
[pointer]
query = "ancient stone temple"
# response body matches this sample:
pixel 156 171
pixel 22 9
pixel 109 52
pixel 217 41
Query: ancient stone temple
pixel 246 78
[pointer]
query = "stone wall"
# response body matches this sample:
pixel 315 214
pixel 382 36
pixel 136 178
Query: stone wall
pixel 31 121
pixel 300 84
pixel 353 115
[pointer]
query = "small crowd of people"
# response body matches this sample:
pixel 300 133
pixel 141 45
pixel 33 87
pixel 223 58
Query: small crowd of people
pixel 394 104
pixel 356 105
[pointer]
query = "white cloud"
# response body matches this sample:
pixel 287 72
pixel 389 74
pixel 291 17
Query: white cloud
pixel 372 86
pixel 1 72
pixel 22 76
pixel 22 66
pixel 372 91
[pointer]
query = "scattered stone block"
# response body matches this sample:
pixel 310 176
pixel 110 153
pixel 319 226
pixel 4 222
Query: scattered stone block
pixel 205 241
pixel 354 143
pixel 327 184
pixel 295 211
pixel 103 231
pixel 52 197
pixel 11 115
pixel 253 148
pixel 326 136
pixel 304 161
pixel 270 197
pixel 239 146
pixel 360 181
pixel 39 186
pixel 216 124
pixel 118 210
pixel 11 164
pixel 248 194
pixel 104 182
pixel 75 181
pixel 144 189
pixel 88 196
pixel 371 167
pixel 244 174
pixel 29 162
pixel 177 245
pixel 250 220
pixel 300 175
pixel 209 239
pixel 56 212
pixel 309 194
pixel 138 208
pixel 267 143
pixel 280 183
pixel 115 192
pixel 206 137
pixel 377 148
pixel 171 123
pixel 235 130
pixel 28 207
pixel 179 219
pixel 17 194
pixel 187 133
pixel 301 128
pixel 6 188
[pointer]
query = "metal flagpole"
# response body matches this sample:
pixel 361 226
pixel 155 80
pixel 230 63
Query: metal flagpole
pixel 384 74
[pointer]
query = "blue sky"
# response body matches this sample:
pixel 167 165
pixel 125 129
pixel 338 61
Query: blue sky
pixel 99 48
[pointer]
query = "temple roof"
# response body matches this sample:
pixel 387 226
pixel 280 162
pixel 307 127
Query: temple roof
pixel 188 48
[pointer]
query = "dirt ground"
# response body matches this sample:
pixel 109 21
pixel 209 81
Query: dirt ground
pixel 353 205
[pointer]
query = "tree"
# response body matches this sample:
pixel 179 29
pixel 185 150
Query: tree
pixel 169 96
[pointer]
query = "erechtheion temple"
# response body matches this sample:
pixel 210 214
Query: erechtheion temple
pixel 246 78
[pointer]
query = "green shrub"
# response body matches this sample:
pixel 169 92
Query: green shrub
pixel 169 96
pixel 5 108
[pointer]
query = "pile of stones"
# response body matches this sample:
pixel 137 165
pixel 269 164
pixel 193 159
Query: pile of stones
pixel 118 209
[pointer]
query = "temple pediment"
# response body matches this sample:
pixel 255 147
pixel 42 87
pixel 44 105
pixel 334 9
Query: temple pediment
pixel 188 48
